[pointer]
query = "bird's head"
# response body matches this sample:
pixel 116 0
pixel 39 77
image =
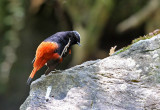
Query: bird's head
pixel 74 36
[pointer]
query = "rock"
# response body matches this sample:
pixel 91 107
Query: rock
pixel 129 80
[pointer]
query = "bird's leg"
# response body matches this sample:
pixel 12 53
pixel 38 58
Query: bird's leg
pixel 52 68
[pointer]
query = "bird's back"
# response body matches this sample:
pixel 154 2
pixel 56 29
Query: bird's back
pixel 60 38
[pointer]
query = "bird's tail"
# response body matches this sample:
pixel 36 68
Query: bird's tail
pixel 31 76
pixel 38 64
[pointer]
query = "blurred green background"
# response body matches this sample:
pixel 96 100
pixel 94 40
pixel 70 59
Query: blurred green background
pixel 101 23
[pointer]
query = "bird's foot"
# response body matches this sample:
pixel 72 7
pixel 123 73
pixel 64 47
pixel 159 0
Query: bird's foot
pixel 56 71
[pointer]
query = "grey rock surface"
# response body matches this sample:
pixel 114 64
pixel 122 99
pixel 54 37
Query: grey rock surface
pixel 127 81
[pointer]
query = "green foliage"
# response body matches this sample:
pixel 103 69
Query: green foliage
pixel 123 49
pixel 148 36
pixel 11 18
pixel 141 38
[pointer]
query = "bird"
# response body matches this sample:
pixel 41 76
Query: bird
pixel 52 50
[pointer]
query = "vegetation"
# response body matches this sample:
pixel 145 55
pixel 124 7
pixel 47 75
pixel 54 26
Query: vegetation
pixel 148 36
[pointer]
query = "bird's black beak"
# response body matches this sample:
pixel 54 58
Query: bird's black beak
pixel 79 43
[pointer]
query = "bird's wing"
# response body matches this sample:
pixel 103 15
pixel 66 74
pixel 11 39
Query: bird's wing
pixel 33 59
pixel 65 48
pixel 46 49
